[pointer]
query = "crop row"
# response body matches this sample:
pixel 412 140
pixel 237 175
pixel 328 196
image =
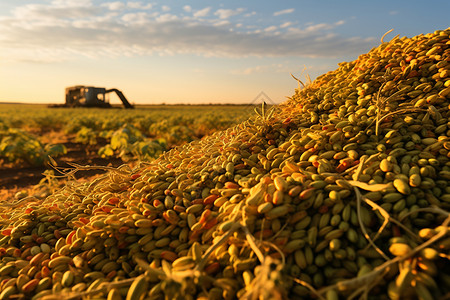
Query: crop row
pixel 140 134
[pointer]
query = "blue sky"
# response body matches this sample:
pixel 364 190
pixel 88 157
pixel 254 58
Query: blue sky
pixel 192 51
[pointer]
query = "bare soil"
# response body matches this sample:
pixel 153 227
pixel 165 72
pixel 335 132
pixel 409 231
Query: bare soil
pixel 21 176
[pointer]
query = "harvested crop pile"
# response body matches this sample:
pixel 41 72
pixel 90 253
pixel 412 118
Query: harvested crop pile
pixel 342 192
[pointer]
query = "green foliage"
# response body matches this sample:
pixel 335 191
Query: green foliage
pixel 143 133
pixel 86 135
pixel 3 125
pixel 55 150
pixel 129 143
pixel 147 150
pixel 17 145
pixel 82 121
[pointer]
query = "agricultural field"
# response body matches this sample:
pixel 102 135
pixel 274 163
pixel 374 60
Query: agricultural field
pixel 34 136
pixel 341 192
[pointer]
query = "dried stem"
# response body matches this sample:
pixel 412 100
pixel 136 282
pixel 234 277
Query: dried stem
pixel 310 287
pixel 371 276
pixel 361 224
pixel 384 35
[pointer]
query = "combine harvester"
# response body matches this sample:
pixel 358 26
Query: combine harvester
pixel 89 96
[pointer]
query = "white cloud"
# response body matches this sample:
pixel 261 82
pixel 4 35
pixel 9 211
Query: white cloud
pixel 322 26
pixel 253 13
pixel 284 11
pixel 114 5
pixel 166 18
pixel 187 8
pixel 139 5
pixel 270 28
pixel 165 8
pixel 136 18
pixel 53 32
pixel 285 24
pixel 227 13
pixel 272 68
pixel 202 12
pixel 221 23
pixel 72 3
pixel 317 27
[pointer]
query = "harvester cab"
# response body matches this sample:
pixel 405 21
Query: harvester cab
pixel 89 96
